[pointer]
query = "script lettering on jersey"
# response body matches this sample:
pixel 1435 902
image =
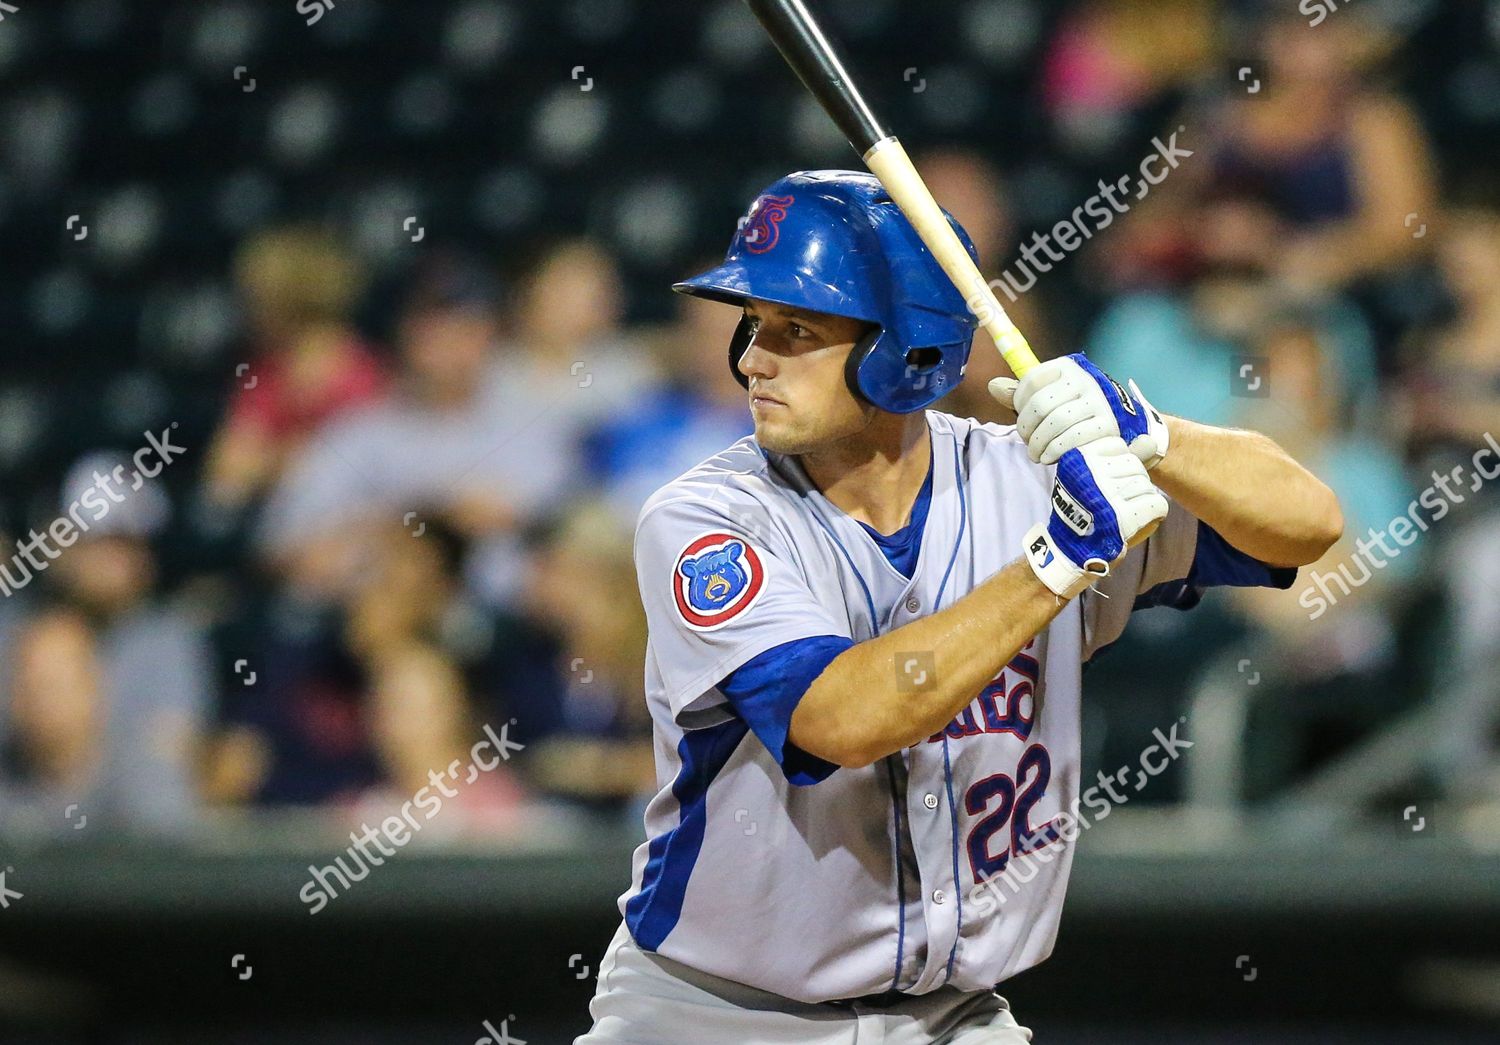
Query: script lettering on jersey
pixel 1006 705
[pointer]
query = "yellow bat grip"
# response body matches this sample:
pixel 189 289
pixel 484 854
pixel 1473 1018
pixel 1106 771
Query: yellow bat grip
pixel 1013 346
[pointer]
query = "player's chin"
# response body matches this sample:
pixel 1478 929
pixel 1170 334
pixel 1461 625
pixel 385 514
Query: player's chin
pixel 768 437
pixel 779 436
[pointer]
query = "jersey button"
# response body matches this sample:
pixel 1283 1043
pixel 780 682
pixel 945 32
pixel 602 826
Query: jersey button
pixel 930 801
pixel 913 604
pixel 938 896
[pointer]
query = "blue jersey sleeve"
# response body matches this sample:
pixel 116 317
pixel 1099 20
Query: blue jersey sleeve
pixel 1216 563
pixel 766 689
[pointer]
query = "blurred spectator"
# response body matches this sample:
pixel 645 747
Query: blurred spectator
pixel 328 718
pixel 1452 374
pixel 970 188
pixel 1306 410
pixel 1192 347
pixel 1451 394
pixel 466 436
pixel 306 364
pixel 698 410
pixel 1317 179
pixel 1334 637
pixel 364 700
pixel 421 722
pixel 1171 349
pixel 1312 178
pixel 585 665
pixel 1109 59
pixel 109 688
pixel 567 342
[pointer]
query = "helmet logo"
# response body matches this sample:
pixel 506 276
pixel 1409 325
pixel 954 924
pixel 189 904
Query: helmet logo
pixel 762 228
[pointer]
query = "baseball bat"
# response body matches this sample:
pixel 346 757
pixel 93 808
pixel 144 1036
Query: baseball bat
pixel 812 57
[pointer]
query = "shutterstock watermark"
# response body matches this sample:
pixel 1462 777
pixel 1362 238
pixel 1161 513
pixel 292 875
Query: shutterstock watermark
pixel 1101 799
pixel 1072 232
pixel 320 891
pixel 1318 597
pixel 65 530
pixel 1318 10
pixel 315 9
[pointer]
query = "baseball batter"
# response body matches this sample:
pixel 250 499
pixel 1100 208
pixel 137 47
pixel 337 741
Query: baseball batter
pixel 867 630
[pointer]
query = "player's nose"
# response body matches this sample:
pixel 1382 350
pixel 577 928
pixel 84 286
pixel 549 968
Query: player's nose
pixel 756 362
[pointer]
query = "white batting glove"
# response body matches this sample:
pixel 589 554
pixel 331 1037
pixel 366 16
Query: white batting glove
pixel 1103 502
pixel 1065 403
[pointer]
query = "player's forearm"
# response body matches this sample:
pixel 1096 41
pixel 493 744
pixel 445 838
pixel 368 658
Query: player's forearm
pixel 897 689
pixel 1251 491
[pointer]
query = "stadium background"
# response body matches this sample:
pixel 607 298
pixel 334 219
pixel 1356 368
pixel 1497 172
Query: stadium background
pixel 393 275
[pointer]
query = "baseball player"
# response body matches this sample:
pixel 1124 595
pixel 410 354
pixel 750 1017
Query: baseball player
pixel 867 630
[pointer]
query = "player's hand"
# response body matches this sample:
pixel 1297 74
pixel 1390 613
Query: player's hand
pixel 1103 502
pixel 1065 403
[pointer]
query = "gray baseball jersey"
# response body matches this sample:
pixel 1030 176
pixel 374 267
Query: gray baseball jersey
pixel 837 884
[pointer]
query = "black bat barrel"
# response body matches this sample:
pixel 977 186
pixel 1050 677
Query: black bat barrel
pixel 807 50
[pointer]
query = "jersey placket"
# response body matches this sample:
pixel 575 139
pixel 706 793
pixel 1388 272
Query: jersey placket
pixel 930 819
pixel 930 814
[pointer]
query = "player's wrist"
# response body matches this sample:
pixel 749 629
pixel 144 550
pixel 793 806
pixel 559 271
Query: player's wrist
pixel 1052 566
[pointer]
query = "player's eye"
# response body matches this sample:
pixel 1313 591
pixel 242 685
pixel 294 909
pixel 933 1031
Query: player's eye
pixel 797 330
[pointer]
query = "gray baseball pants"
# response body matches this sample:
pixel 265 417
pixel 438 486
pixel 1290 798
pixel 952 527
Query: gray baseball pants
pixel 645 999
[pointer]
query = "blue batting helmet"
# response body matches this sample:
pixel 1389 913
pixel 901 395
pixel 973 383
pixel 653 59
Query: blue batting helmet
pixel 835 242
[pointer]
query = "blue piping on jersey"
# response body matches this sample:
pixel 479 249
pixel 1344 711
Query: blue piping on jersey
pixel 963 522
pixel 958 892
pixel 972 558
pixel 818 518
pixel 869 601
pixel 895 805
pixel 653 913
pixel 900 876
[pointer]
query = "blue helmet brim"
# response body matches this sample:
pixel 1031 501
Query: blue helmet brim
pixel 732 284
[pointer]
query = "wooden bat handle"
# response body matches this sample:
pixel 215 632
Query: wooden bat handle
pixel 888 160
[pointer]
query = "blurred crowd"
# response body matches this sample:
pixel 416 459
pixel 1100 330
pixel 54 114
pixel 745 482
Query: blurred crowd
pixel 404 531
pixel 412 540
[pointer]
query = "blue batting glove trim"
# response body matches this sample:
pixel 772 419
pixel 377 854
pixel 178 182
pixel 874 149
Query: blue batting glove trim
pixel 1104 540
pixel 1130 413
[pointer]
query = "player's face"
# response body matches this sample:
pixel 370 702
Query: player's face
pixel 795 365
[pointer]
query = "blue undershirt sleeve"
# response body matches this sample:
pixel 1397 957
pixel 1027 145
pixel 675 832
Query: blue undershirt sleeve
pixel 1216 563
pixel 766 689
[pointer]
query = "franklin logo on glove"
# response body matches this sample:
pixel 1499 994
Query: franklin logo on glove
pixel 1071 512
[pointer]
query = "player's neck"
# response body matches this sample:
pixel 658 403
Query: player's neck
pixel 874 476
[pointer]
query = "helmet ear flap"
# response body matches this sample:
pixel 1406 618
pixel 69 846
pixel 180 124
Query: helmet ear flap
pixel 857 356
pixel 739 344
